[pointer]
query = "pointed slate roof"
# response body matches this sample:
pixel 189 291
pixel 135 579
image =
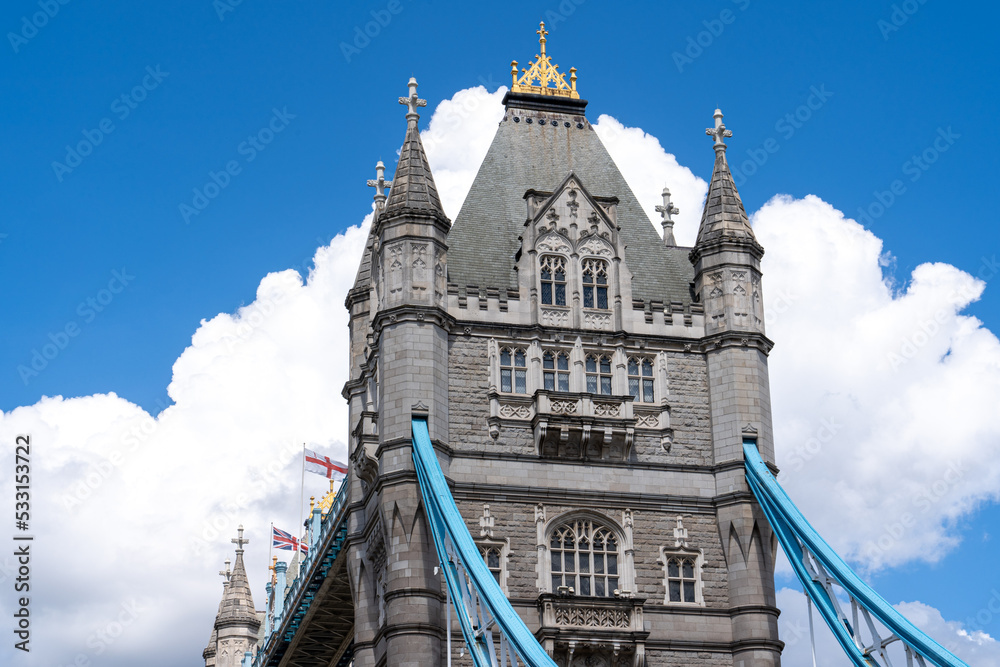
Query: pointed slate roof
pixel 723 215
pixel 531 155
pixel 412 184
pixel 237 603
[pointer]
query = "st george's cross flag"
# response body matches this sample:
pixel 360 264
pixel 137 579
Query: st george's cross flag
pixel 324 465
pixel 282 540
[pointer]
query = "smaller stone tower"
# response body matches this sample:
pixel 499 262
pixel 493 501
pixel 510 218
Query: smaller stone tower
pixel 237 623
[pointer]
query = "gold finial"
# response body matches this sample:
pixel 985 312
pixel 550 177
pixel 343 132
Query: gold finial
pixel 536 78
pixel 312 502
pixel 274 572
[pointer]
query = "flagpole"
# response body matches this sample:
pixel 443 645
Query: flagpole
pixel 270 549
pixel 302 487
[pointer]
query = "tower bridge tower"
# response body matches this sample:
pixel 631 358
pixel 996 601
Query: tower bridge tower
pixel 588 386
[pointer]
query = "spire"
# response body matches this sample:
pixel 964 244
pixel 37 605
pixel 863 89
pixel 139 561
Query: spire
pixel 380 185
pixel 413 185
pixel 237 602
pixel 666 211
pixel 724 216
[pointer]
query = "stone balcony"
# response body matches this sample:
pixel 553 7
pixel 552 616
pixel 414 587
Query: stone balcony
pixel 574 624
pixel 579 426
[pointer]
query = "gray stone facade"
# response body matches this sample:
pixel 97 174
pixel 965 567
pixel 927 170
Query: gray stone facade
pixel 639 445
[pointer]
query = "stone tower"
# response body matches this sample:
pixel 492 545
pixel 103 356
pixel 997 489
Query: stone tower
pixel 400 326
pixel 588 385
pixel 237 623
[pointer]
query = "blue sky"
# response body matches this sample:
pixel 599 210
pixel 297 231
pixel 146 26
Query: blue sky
pixel 861 104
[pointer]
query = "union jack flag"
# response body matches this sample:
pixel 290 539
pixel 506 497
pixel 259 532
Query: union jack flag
pixel 282 540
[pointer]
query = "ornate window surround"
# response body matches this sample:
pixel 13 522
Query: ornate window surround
pixel 622 532
pixel 680 554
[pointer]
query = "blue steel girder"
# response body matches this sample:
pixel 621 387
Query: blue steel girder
pixel 819 569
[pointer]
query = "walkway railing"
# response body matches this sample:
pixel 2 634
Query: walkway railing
pixel 874 625
pixel 327 536
pixel 474 594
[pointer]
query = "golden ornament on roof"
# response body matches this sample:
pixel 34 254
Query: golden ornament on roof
pixel 536 79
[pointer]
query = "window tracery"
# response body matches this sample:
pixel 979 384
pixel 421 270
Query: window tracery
pixel 552 270
pixel 640 380
pixel 598 367
pixel 513 370
pixel 595 284
pixel 555 371
pixel 584 555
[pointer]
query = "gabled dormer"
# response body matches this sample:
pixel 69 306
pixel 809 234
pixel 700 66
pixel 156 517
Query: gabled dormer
pixel 570 259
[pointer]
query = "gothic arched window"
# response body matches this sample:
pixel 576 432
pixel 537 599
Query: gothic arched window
pixel 513 370
pixel 553 274
pixel 595 283
pixel 640 380
pixel 555 371
pixel 584 556
pixel 598 374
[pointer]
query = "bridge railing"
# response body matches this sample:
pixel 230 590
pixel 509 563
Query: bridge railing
pixel 473 593
pixel 290 609
pixel 874 626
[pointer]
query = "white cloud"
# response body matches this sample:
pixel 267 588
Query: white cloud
pixel 648 168
pixel 129 506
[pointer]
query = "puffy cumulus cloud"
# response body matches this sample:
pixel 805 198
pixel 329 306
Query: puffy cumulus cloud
pixel 972 645
pixel 456 140
pixel 133 512
pixel 648 168
pixel 882 397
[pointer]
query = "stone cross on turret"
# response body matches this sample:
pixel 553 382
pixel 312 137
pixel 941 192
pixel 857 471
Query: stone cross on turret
pixel 239 541
pixel 719 131
pixel 412 102
pixel 227 573
pixel 380 184
pixel 667 210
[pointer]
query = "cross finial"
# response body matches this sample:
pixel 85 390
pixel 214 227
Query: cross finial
pixel 380 184
pixel 227 573
pixel 541 32
pixel 239 541
pixel 667 210
pixel 412 102
pixel 719 131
